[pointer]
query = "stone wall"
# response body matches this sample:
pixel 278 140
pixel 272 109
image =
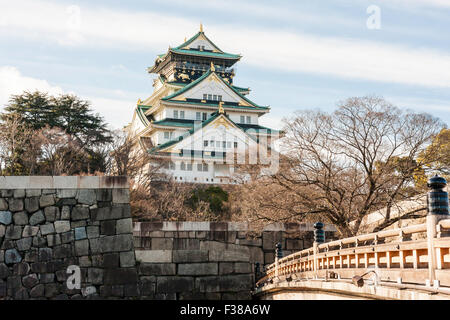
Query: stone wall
pixel 50 223
pixel 211 260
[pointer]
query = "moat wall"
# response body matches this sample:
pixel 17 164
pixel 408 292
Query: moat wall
pixel 211 260
pixel 48 224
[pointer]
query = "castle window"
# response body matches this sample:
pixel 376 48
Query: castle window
pixel 214 97
pixel 182 115
pixel 183 166
pixel 242 119
pixel 175 114
pixel 204 115
pixel 209 96
pixel 189 167
pixel 172 165
pixel 249 119
pixel 198 116
pixel 219 97
pixel 205 143
pixel 205 96
pixel 235 144
pixel 224 144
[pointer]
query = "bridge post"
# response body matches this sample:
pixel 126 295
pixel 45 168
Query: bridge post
pixel 278 255
pixel 438 209
pixel 319 237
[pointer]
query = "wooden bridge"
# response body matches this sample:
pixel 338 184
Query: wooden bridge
pixel 406 263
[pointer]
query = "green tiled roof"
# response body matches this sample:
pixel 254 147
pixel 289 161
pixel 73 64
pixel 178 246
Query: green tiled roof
pixel 140 110
pixel 185 123
pixel 216 105
pixel 200 79
pixel 206 53
pixel 190 123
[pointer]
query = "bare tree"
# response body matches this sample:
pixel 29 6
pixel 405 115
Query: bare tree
pixel 343 166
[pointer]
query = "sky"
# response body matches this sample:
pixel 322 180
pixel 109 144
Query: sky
pixel 297 55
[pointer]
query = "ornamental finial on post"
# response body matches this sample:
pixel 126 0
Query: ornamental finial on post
pixel 437 198
pixel 213 69
pixel 319 234
pixel 201 27
pixel 278 251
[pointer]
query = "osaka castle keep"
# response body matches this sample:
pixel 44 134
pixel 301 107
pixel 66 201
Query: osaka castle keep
pixel 196 118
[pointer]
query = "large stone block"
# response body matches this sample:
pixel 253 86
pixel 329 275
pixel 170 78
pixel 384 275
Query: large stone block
pixel 198 269
pixel 230 283
pixel 226 268
pixel 271 238
pixel 24 244
pixel 118 243
pixel 80 213
pixel 13 232
pixel 47 200
pixel 157 269
pixel 15 205
pixel 256 255
pixel 46 229
pixel 156 256
pixel 3 204
pixel 5 217
pixel 4 271
pixel 62 226
pixel 127 259
pixel 33 193
pixel 45 254
pixel 219 251
pixel 121 276
pixel 32 204
pixel 20 218
pixel 37 218
pixel 104 194
pixel 29 231
pixel 162 244
pixel 82 247
pixel 87 196
pixel 80 233
pixel 51 213
pixel 186 244
pixel 95 275
pixel 108 227
pixel 12 256
pixel 294 244
pixel 19 193
pixel 180 256
pixel 120 195
pixel 174 284
pixel 124 226
pixel 242 267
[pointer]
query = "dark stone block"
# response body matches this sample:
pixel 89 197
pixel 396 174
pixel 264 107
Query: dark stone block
pixel 62 251
pixel 14 282
pixel 4 271
pixel 131 290
pixel 108 227
pixel 39 267
pixel 45 254
pixel 46 277
pixel 52 290
pixel 37 291
pixel 67 237
pixel 21 269
pixel 80 213
pixel 39 241
pixel 104 195
pixel 149 269
pixel 30 281
pixel 121 276
pixel 21 294
pixel 111 260
pixel 174 284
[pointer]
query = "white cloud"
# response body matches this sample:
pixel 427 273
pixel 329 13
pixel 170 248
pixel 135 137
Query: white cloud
pixel 13 82
pixel 292 52
pixel 116 112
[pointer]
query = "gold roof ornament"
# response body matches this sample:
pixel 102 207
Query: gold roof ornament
pixel 139 101
pixel 201 27
pixel 221 110
pixel 185 39
pixel 212 67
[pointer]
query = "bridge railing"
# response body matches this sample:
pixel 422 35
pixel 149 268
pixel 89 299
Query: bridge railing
pixel 409 255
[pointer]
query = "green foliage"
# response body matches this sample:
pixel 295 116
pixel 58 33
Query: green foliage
pixel 51 135
pixel 213 196
pixel 68 112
